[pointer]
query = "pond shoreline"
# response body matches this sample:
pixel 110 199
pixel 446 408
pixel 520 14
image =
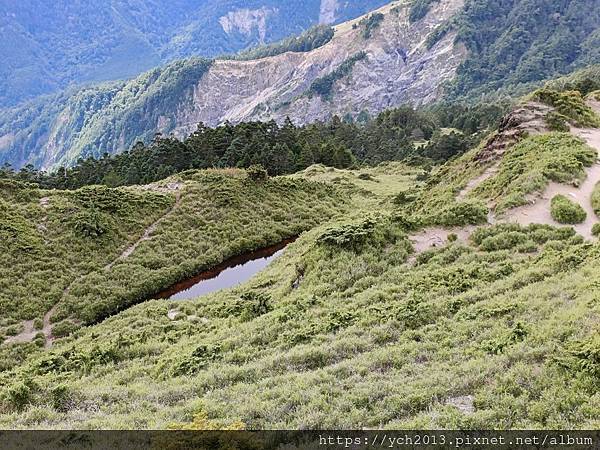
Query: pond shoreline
pixel 222 268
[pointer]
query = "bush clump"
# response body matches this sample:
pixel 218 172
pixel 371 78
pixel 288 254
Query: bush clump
pixel 557 122
pixel 566 211
pixel 596 229
pixel 462 213
pixel 571 105
pixel 596 199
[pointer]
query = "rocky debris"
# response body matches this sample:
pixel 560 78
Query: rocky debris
pixel 278 86
pixel 529 119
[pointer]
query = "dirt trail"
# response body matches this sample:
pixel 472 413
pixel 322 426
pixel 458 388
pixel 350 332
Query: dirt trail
pixel 147 235
pixel 27 335
pixel 539 212
pixel 472 184
pixel 536 212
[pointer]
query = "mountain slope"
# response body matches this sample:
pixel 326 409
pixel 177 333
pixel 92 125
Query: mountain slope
pixel 403 53
pixel 352 72
pixel 357 325
pixel 48 45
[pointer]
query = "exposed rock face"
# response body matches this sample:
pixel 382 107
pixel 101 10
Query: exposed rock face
pixel 398 69
pixel 328 10
pixel 247 21
pixel 526 120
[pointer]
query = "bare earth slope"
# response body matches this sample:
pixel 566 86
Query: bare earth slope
pixel 398 69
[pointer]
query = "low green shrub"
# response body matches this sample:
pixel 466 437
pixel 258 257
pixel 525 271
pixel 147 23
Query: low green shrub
pixel 462 213
pixel 570 104
pixel 596 229
pixel 64 328
pixel 557 122
pixel 90 223
pixel 566 211
pixel 596 199
pixel 257 173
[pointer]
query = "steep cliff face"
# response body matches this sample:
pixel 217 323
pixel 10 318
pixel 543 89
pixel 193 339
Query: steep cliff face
pixel 397 67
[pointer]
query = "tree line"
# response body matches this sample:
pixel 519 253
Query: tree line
pixel 405 133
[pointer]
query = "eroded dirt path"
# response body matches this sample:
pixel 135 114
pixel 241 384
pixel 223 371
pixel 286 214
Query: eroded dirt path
pixel 539 211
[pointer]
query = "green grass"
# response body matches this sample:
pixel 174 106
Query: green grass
pixel 566 211
pixel 70 242
pixel 569 104
pixel 527 167
pixel 348 347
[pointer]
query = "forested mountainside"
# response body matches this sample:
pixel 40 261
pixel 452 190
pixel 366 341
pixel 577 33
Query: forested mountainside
pixel 48 45
pixel 417 52
pixel 463 295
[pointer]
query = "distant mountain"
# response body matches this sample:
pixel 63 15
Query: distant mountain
pixel 419 53
pixel 46 45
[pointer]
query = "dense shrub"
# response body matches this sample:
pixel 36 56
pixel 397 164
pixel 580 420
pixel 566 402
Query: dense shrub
pixel 461 213
pixel 90 223
pixel 557 122
pixel 566 211
pixel 569 104
pixel 596 229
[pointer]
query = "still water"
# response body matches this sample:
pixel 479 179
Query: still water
pixel 230 273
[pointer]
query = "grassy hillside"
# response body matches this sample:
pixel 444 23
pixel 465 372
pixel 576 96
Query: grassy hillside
pixel 347 329
pixel 76 257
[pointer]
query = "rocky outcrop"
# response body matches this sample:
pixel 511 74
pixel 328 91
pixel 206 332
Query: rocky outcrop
pixel 528 119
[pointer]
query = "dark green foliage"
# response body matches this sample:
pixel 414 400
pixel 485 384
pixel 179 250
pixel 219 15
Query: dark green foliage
pixel 351 235
pixel 566 211
pixel 514 44
pixel 64 328
pixel 323 86
pixel 257 173
pixel 254 304
pixel 370 24
pixel 583 356
pixel 313 38
pixel 596 229
pixel 569 104
pixel 419 9
pixel 444 146
pixel 557 122
pixel 460 214
pixel 280 149
pixel 90 223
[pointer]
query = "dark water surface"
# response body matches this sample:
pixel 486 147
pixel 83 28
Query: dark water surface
pixel 228 274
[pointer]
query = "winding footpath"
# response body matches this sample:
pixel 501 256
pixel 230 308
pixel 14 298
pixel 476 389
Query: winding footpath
pixel 538 211
pixel 29 332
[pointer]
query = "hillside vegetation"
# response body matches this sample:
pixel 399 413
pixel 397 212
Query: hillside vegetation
pixel 86 254
pixel 506 338
pixel 115 40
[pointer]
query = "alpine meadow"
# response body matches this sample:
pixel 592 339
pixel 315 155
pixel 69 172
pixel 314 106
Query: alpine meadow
pixel 314 215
